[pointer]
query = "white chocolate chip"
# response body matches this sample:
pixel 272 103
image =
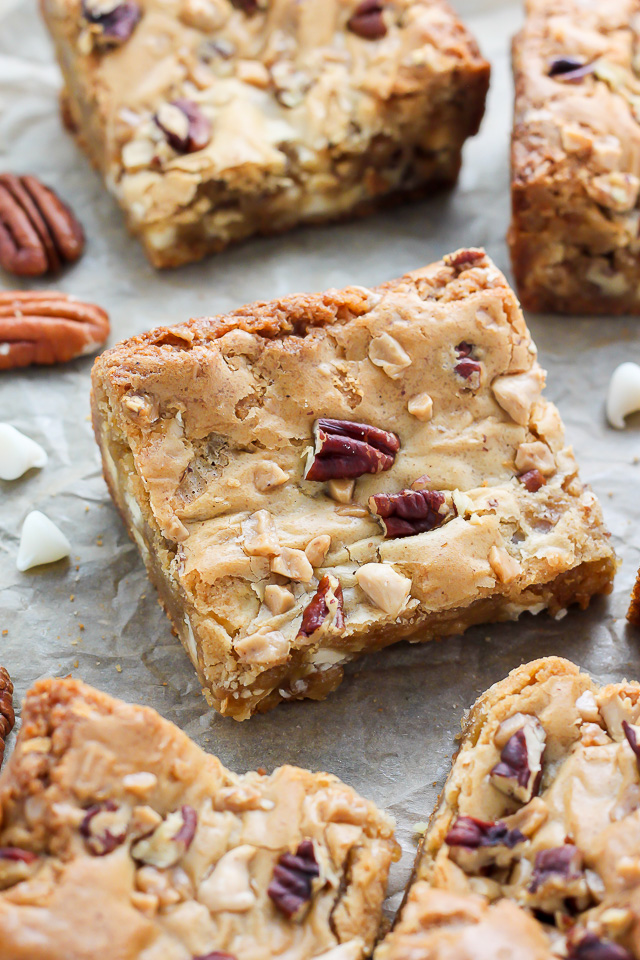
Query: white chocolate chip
pixel 293 564
pixel 261 535
pixel 254 73
pixel 18 453
pixel 516 394
pixel 587 707
pixel 386 352
pixel 265 648
pixel 535 455
pixel 421 407
pixel 174 120
pixel 341 490
pixel 505 567
pixel 140 783
pixel 268 475
pixel 278 600
pixel 385 587
pixel 228 887
pixel 40 542
pixel 137 154
pixel 317 549
pixel 617 191
pixel 623 397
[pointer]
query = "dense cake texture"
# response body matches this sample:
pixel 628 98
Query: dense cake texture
pixel 542 807
pixel 326 474
pixel 120 838
pixel 213 120
pixel 576 157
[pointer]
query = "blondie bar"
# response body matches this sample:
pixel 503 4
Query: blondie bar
pixel 542 807
pixel 211 120
pixel 120 838
pixel 323 475
pixel 574 234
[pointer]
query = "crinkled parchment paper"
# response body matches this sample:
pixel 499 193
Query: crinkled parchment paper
pixel 389 729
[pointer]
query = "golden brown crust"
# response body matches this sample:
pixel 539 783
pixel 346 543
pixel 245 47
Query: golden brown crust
pixel 7 715
pixel 633 613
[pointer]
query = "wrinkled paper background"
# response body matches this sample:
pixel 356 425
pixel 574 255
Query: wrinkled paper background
pixel 388 731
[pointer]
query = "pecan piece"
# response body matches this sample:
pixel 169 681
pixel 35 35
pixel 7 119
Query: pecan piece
pixel 38 232
pixel 532 480
pixel 557 877
pixel 7 715
pixel 292 884
pixel 16 865
pixel 367 20
pixel 48 327
pixel 410 512
pixel 325 610
pixel 345 450
pixel 570 69
pixel 113 20
pixel 520 769
pixel 465 258
pixel 104 827
pixel 631 733
pixel 591 947
pixel 169 841
pixel 467 367
pixel 184 125
pixel 475 844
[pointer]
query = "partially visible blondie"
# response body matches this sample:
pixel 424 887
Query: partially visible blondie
pixel 542 807
pixel 323 475
pixel 120 838
pixel 212 120
pixel 574 235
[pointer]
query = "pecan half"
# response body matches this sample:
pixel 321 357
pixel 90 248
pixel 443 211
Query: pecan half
pixel 113 20
pixel 520 769
pixel 38 232
pixel 570 69
pixel 104 827
pixel 345 450
pixel 16 865
pixel 367 20
pixel 7 715
pixel 532 480
pixel 48 327
pixel 411 511
pixel 293 877
pixel 184 125
pixel 591 947
pixel 169 841
pixel 475 844
pixel 325 610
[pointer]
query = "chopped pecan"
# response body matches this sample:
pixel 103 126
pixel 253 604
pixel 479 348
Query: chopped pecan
pixel 16 865
pixel 520 769
pixel 48 327
pixel 476 844
pixel 410 512
pixel 248 7
pixel 469 369
pixel 293 877
pixel 345 450
pixel 590 947
pixel 558 877
pixel 104 827
pixel 325 610
pixel 7 715
pixel 38 232
pixel 631 733
pixel 570 69
pixel 113 20
pixel 367 20
pixel 169 841
pixel 462 259
pixel 184 125
pixel 532 480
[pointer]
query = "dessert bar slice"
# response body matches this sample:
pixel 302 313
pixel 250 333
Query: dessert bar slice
pixel 120 838
pixel 575 157
pixel 211 120
pixel 542 807
pixel 323 475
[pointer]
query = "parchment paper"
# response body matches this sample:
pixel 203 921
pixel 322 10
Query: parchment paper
pixel 389 729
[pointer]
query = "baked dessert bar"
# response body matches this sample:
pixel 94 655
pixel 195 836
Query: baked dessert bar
pixel 211 120
pixel 326 474
pixel 120 838
pixel 633 613
pixel 575 169
pixel 542 807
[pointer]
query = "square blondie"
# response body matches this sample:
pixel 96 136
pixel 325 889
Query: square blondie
pixel 322 475
pixel 212 120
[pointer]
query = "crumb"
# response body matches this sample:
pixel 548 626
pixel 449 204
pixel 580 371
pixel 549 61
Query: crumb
pixel 72 597
pixel 86 509
pixel 118 668
pixel 419 828
pixel 99 542
pixel 75 664
pixel 4 633
pixel 81 626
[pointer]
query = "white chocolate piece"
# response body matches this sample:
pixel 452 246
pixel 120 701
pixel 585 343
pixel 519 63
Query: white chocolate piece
pixel 384 586
pixel 421 407
pixel 386 352
pixel 40 542
pixel 623 397
pixel 18 453
pixel 228 887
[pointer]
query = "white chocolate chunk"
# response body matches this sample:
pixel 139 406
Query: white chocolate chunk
pixel 384 586
pixel 18 453
pixel 293 564
pixel 40 542
pixel 261 535
pixel 517 393
pixel 228 887
pixel 421 407
pixel 386 352
pixel 505 567
pixel 535 456
pixel 351 950
pixel 623 397
pixel 269 648
pixel 268 476
pixel 278 599
pixel 341 490
pixel 317 549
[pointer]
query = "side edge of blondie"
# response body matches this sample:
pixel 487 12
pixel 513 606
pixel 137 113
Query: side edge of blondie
pixel 117 831
pixel 575 167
